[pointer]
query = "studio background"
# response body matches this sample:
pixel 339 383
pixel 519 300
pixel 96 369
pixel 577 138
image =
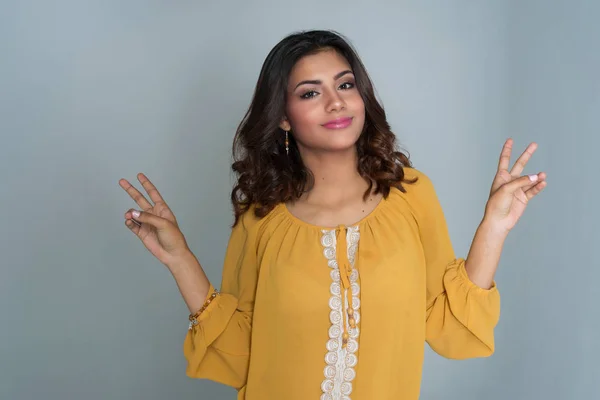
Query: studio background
pixel 95 91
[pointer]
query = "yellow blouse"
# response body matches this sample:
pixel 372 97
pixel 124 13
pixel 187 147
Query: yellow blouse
pixel 277 331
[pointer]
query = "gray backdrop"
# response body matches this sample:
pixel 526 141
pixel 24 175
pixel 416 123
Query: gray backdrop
pixel 93 91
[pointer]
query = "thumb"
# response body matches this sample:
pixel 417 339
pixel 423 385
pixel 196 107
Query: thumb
pixel 150 219
pixel 523 181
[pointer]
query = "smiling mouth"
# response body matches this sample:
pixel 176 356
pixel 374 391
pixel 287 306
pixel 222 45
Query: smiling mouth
pixel 338 123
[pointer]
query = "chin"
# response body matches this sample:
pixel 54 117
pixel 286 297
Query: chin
pixel 342 143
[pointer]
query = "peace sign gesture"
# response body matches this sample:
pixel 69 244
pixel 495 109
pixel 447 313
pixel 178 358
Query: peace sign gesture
pixel 511 192
pixel 156 225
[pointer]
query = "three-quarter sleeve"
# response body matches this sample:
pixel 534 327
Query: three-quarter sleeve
pixel 218 347
pixel 460 315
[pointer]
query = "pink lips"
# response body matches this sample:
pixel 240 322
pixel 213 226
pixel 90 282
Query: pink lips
pixel 338 123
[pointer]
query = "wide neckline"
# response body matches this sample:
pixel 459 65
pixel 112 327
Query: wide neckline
pixel 380 205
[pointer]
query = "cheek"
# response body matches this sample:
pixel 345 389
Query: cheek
pixel 356 105
pixel 305 114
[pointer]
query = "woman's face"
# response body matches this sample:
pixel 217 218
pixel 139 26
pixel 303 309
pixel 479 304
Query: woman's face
pixel 322 89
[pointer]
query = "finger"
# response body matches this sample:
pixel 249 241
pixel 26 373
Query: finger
pixel 531 193
pixel 133 226
pixel 128 215
pixel 135 195
pixel 520 183
pixel 504 161
pixel 541 178
pixel 519 166
pixel 150 188
pixel 150 219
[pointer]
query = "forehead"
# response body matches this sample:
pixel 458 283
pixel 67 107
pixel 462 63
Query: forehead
pixel 322 65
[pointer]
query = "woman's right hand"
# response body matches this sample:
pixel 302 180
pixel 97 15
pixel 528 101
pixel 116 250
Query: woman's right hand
pixel 156 225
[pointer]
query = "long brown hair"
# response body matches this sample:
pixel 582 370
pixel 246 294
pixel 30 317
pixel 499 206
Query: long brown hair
pixel 266 176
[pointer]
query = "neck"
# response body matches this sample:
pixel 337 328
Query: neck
pixel 336 177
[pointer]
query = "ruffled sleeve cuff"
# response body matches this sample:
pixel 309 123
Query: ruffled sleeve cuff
pixel 478 309
pixel 211 323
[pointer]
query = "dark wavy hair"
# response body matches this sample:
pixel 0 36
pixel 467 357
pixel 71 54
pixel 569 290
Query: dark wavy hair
pixel 267 176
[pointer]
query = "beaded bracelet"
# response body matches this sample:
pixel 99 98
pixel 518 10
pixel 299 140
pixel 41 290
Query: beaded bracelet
pixel 194 317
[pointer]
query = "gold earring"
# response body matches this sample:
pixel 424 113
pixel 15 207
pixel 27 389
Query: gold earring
pixel 287 144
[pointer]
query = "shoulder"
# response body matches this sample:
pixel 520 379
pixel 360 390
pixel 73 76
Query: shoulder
pixel 248 220
pixel 422 187
pixel 251 224
pixel 419 197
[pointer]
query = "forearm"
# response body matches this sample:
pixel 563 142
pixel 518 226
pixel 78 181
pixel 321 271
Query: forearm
pixel 191 281
pixel 484 255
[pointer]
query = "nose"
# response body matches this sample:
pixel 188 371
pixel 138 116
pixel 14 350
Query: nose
pixel 335 102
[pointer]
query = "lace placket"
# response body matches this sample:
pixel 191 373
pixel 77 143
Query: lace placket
pixel 340 247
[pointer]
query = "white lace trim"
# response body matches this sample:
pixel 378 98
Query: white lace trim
pixel 339 371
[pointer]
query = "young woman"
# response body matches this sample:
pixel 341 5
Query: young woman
pixel 339 266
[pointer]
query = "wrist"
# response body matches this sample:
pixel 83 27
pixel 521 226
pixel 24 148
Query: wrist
pixel 492 230
pixel 184 262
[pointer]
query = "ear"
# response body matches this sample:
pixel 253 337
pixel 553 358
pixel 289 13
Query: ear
pixel 285 124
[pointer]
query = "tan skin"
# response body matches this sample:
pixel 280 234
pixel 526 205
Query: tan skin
pixel 337 195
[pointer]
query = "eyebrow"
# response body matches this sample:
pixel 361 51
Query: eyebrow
pixel 318 82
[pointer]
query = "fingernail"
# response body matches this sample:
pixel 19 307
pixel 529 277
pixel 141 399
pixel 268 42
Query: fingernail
pixel 135 213
pixel 533 177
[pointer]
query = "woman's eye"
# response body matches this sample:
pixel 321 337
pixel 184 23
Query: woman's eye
pixel 310 94
pixel 306 95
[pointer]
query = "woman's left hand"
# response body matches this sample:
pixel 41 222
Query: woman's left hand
pixel 511 192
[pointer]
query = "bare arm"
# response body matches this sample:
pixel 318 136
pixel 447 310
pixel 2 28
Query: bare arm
pixel 191 280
